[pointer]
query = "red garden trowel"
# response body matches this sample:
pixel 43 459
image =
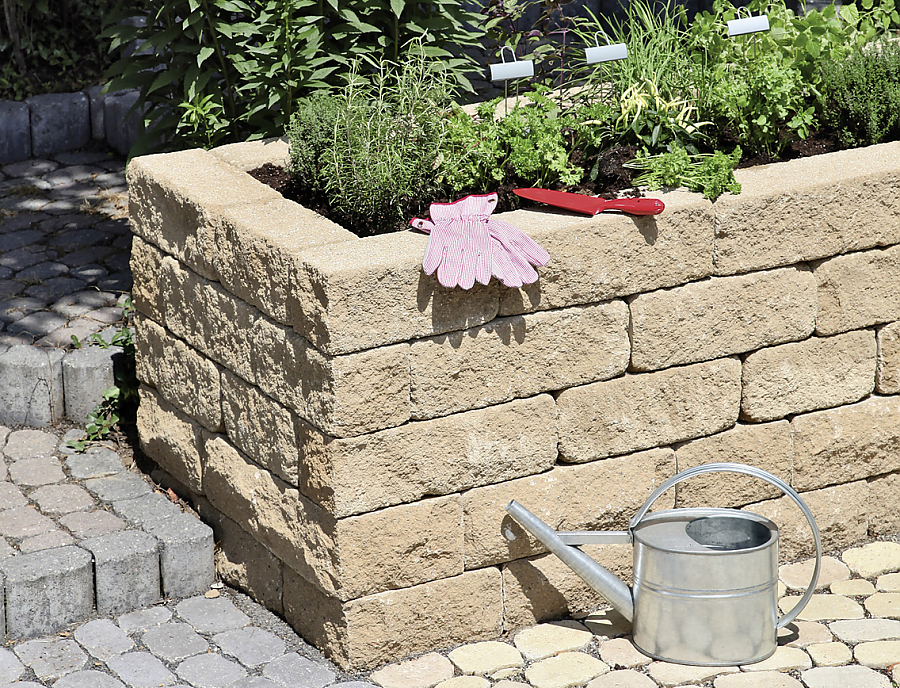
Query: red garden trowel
pixel 591 205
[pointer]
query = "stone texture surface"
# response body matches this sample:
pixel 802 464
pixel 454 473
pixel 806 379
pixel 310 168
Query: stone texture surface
pixel 565 670
pixel 824 608
pixel 667 674
pixel 830 654
pixel 485 658
pixel 480 367
pixel 839 677
pixel 857 587
pixel 547 640
pixel 621 653
pixel 806 376
pixel 866 630
pixel 642 411
pixel 423 672
pixel 885 605
pixel 767 446
pixel 879 654
pixel 889 582
pixel 355 475
pixel 598 258
pixel 857 290
pixel 721 316
pixel 798 575
pixel 873 559
pixel 784 659
pixel 803 210
pixel 565 497
pixel 887 371
pixel 884 492
pixel 762 679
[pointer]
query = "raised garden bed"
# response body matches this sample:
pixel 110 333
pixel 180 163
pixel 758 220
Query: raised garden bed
pixel 353 430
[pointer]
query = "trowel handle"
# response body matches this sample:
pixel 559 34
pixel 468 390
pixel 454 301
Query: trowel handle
pixel 753 472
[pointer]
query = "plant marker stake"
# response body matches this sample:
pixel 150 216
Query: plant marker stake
pixel 747 25
pixel 610 52
pixel 504 71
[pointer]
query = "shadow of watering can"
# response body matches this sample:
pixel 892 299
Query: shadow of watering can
pixel 705 580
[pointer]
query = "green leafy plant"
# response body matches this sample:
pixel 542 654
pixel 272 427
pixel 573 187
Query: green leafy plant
pixel 216 71
pixel 654 123
pixel 473 152
pixel 860 96
pixel 710 174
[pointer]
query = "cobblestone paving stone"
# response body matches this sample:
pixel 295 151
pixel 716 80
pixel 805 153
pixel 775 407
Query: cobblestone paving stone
pixel 64 248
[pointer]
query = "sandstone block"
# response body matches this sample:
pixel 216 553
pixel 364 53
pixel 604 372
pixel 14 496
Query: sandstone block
pixel 884 493
pixel 345 558
pixel 170 438
pixel 837 513
pixel 565 670
pixel 830 654
pixel 518 357
pixel 242 562
pixel 182 376
pixel 820 372
pixel 796 576
pixel 172 197
pixel 858 290
pixel 261 428
pixel 342 396
pixel 887 371
pixel 546 640
pixel 355 295
pixel 257 244
pixel 873 559
pixel 376 629
pixel 766 446
pixel 881 654
pixel 422 672
pixel 824 607
pixel 648 410
pixel 543 588
pixel 829 210
pixel 249 155
pixel 857 587
pixel 847 443
pixel 721 316
pixel 208 317
pixel 485 658
pixel 599 258
pixel 433 457
pixel 600 495
pixel 146 269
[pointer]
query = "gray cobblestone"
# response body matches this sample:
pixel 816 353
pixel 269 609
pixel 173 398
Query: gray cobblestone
pixel 97 462
pixel 10 667
pixel 51 659
pixel 48 540
pixel 30 444
pixel 150 507
pixel 87 525
pixel 126 570
pixel 23 522
pixel 294 671
pixel 141 670
pixel 88 679
pixel 252 646
pixel 210 671
pixel 122 485
pixel 36 472
pixel 11 497
pixel 103 639
pixel 56 500
pixel 174 642
pixel 211 615
pixel 143 619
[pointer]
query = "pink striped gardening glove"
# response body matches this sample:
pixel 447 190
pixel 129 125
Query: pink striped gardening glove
pixel 511 252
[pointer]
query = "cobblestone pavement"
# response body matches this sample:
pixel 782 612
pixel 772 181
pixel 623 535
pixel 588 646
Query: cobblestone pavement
pixel 64 247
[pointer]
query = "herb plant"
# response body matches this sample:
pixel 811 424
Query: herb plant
pixel 710 174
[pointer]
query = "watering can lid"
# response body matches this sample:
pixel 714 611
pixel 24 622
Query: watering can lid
pixel 674 530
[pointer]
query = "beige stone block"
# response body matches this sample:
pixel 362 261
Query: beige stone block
pixel 261 428
pixel 518 357
pixel 848 443
pixel 884 494
pixel 721 316
pixel 766 446
pixel 762 679
pixel 796 576
pixel 804 634
pixel 465 682
pixel 184 378
pixel 884 605
pixel 889 582
pixel 838 513
pixel 344 558
pixel 624 678
pixel 172 196
pixel 433 457
pixel 830 654
pixel 784 659
pixel 601 495
pixel 866 630
pixel 599 258
pixel 858 290
pixel 249 155
pixel 146 265
pixel 565 670
pixel 606 624
pixel 356 295
pixel 373 630
pixel 621 653
pixel 170 438
pixel 257 247
pixel 802 210
pixel 208 317
pixel 824 607
pixel 648 410
pixel 241 561
pixel 806 376
pixel 342 396
pixel 887 371
pixel 855 587
pixel 485 658
pixel 546 640
pixel 668 674
pixel 422 672
pixel 543 588
pixel 873 559
pixel 881 654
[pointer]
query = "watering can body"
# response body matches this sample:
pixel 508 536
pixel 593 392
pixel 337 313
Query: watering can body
pixel 705 579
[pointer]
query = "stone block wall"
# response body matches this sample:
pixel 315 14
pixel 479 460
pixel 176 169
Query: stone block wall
pixel 353 430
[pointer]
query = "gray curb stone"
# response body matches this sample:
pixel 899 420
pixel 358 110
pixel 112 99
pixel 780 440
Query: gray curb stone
pixel 31 386
pixel 47 590
pixel 126 570
pixel 15 131
pixel 59 122
pixel 87 373
pixel 186 549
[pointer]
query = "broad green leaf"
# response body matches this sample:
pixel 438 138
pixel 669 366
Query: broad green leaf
pixel 204 53
pixel 397 7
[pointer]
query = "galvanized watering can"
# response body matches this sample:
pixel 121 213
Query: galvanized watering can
pixel 705 579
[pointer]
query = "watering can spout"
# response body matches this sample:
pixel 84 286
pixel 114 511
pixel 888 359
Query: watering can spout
pixel 617 593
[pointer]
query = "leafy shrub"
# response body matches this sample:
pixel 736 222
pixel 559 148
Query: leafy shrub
pixel 217 71
pixel 374 151
pixel 860 96
pixel 50 45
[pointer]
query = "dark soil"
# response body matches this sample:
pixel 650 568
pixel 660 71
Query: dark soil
pixel 613 179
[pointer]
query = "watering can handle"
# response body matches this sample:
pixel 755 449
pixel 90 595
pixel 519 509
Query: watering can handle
pixel 762 475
